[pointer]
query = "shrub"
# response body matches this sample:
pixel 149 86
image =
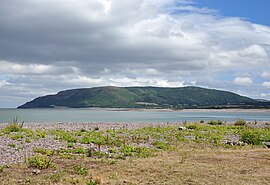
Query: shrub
pixel 218 122
pixel 40 162
pixel 240 122
pixel 192 126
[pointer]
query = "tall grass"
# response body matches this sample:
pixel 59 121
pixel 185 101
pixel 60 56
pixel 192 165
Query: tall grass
pixel 13 126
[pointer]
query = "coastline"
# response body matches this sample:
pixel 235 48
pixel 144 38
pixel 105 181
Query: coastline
pixel 111 143
pixel 152 109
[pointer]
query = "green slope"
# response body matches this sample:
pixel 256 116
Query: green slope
pixel 145 97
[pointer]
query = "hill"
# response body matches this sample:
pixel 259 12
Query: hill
pixel 145 97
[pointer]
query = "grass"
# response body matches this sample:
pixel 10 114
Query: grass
pixel 80 169
pixel 189 163
pixel 148 155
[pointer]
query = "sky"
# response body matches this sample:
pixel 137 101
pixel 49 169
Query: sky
pixel 51 45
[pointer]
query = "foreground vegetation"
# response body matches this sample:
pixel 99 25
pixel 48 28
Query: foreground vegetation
pixel 199 153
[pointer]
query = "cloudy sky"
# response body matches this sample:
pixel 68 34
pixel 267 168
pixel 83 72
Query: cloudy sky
pixel 52 45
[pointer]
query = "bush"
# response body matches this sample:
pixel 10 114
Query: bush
pixel 240 122
pixel 250 136
pixel 218 122
pixel 192 127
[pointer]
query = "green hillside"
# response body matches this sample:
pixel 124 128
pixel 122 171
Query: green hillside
pixel 145 97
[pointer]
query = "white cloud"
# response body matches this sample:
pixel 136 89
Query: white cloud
pixel 266 74
pixel 266 84
pixel 3 83
pixel 265 95
pixel 243 81
pixel 253 51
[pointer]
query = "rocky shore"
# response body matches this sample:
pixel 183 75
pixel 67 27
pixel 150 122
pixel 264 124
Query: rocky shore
pixel 14 149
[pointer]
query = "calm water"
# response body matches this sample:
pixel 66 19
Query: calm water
pixel 88 115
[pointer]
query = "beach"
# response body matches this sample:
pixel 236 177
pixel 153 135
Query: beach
pixel 122 153
pixel 10 155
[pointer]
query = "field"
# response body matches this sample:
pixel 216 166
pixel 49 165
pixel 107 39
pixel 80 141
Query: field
pixel 193 153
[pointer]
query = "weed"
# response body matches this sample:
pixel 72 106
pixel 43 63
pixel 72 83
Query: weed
pixel 55 177
pixel 91 181
pixel 128 150
pixel 91 152
pixel 80 170
pixel 70 145
pixel 40 162
pixel 66 156
pixel 79 150
pixel 160 145
pixel 12 145
pixel 17 136
pixel 40 133
pixel 144 152
pixel 44 151
pixel 2 167
pixel 64 135
pixel 27 140
pixel 112 150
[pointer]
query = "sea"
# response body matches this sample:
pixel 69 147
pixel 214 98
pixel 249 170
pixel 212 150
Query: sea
pixel 128 115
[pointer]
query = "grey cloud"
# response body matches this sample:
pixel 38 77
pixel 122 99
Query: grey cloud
pixel 50 45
